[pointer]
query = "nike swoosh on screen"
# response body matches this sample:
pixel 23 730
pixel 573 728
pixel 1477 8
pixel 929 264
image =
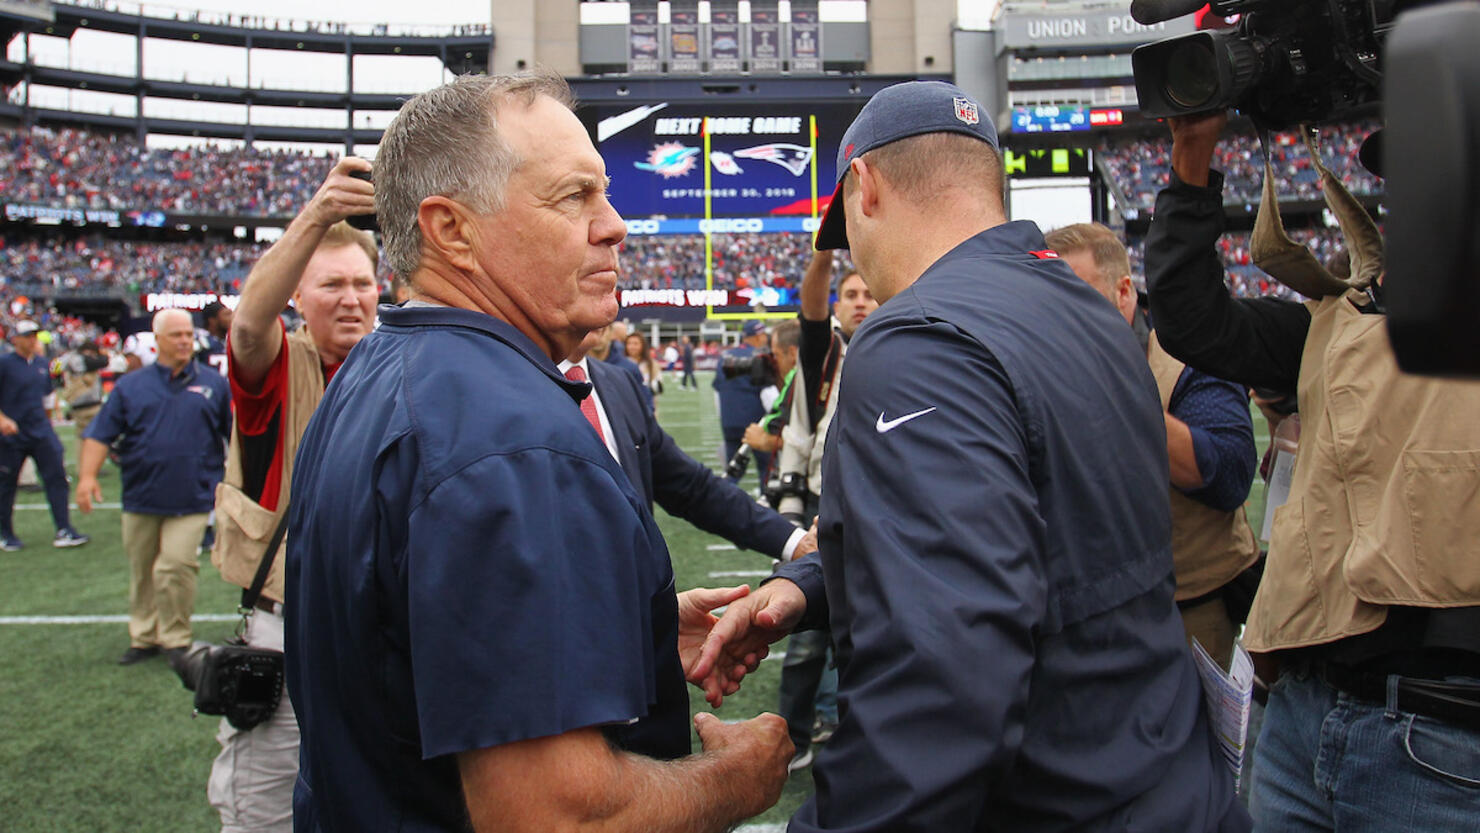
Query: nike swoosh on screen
pixel 884 426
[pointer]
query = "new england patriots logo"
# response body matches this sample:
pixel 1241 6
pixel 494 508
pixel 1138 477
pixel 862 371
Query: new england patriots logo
pixel 669 160
pixel 794 158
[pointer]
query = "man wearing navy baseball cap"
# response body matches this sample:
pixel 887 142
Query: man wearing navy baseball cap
pixel 997 576
pixel 740 395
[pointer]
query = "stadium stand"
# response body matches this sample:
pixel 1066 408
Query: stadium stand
pixel 1142 165
pixel 71 168
pixel 40 265
pixel 1244 279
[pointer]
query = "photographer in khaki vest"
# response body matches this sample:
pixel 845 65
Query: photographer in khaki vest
pixel 1210 445
pixel 327 269
pixel 1367 622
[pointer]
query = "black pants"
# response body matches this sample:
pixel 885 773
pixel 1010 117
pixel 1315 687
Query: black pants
pixel 47 452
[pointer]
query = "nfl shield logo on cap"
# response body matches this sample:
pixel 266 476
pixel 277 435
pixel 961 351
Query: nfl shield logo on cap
pixel 966 111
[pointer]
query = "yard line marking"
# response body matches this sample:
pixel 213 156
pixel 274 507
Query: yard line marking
pixel 739 573
pixel 721 547
pixel 774 656
pixel 759 828
pixel 104 620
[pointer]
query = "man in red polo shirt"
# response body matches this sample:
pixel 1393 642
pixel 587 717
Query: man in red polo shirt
pixel 327 269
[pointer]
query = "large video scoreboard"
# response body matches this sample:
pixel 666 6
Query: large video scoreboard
pixel 758 160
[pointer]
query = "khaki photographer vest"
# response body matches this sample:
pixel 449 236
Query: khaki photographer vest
pixel 1384 506
pixel 243 527
pixel 1209 547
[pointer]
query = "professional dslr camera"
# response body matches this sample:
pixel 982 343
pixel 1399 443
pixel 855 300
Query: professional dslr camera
pixel 1287 62
pixel 240 683
pixel 760 368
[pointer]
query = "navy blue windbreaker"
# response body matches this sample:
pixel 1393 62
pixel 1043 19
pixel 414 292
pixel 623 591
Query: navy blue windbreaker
pixel 995 552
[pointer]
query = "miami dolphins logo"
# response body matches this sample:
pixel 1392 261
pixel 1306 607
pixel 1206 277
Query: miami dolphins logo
pixel 669 160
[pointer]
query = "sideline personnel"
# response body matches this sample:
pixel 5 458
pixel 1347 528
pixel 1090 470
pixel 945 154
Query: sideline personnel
pixel 998 576
pixel 482 624
pixel 25 431
pixel 171 420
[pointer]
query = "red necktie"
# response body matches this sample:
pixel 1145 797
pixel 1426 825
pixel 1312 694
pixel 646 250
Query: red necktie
pixel 588 405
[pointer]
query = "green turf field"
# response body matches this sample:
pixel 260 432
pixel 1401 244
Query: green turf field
pixel 87 745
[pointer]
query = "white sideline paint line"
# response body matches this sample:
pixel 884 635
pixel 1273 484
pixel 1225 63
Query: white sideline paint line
pixel 69 506
pixel 740 573
pixel 760 828
pixel 721 547
pixel 104 620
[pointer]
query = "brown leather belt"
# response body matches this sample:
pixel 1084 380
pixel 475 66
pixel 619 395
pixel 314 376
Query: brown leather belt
pixel 1456 703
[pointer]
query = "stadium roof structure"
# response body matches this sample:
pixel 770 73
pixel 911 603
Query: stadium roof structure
pixel 461 49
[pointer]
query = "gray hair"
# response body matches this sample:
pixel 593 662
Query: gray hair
pixel 161 319
pixel 445 142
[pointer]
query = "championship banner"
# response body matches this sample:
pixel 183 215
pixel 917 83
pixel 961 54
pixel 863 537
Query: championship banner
pixel 683 36
pixel 805 41
pixel 765 37
pixel 724 36
pixel 642 38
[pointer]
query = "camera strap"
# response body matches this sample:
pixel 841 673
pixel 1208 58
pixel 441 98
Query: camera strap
pixel 251 594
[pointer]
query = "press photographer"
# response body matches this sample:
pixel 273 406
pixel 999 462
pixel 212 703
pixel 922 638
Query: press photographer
pixel 277 379
pixel 1369 610
pixel 779 364
pixel 740 395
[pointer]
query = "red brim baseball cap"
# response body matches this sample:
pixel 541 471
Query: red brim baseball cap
pixel 899 112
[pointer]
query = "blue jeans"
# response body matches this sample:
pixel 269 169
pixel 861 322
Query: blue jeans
pixel 802 674
pixel 1330 762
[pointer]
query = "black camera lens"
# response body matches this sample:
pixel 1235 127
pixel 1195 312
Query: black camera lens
pixel 1191 74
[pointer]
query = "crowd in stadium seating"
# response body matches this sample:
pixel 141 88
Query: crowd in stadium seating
pixel 81 169
pixel 1244 279
pixel 1142 166
pixel 740 261
pixel 36 264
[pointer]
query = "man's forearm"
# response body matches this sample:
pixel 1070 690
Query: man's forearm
pixel 704 792
pixel 816 287
pixel 1181 455
pixel 90 457
pixel 577 781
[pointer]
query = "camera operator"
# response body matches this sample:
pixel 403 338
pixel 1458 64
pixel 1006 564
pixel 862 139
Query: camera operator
pixel 1369 611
